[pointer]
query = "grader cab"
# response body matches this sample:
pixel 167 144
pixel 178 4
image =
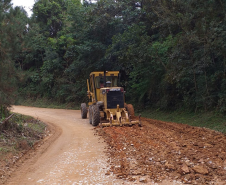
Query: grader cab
pixel 107 105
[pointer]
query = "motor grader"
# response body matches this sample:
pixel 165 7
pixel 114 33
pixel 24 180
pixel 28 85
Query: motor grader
pixel 107 105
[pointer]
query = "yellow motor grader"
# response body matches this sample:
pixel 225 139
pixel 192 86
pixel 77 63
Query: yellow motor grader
pixel 107 105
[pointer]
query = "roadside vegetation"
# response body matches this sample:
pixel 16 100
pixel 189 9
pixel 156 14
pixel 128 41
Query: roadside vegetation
pixel 47 103
pixel 20 132
pixel 171 54
pixel 211 120
pixel 17 135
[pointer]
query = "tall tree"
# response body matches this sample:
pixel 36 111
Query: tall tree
pixel 12 29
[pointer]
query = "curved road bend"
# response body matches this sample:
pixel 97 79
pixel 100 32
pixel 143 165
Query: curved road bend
pixel 76 156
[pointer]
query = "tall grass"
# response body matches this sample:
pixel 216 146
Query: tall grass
pixel 211 120
pixel 46 103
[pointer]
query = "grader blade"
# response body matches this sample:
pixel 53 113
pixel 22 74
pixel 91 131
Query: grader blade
pixel 120 123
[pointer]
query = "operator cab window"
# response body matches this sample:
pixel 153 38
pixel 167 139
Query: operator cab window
pixel 99 81
pixel 113 80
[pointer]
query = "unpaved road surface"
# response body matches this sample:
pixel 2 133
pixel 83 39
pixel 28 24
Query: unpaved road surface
pixel 161 150
pixel 71 154
pixel 157 153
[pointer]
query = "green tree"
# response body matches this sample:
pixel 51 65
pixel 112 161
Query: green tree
pixel 12 28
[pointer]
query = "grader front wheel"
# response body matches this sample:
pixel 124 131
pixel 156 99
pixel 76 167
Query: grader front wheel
pixel 95 115
pixel 83 111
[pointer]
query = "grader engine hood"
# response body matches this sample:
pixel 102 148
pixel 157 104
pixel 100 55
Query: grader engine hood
pixel 114 97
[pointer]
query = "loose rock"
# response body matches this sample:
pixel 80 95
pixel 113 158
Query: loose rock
pixel 144 180
pixel 185 168
pixel 162 150
pixel 200 169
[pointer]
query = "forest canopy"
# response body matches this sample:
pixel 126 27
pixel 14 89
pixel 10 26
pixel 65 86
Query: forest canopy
pixel 171 53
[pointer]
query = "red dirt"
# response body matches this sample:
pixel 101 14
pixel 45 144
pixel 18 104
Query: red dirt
pixel 160 150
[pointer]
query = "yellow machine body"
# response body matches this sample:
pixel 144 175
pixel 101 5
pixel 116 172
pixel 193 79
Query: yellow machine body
pixel 103 91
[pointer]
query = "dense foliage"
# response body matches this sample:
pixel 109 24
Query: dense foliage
pixel 12 29
pixel 171 53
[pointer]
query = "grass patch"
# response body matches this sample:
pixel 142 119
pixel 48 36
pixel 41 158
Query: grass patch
pixel 211 120
pixel 4 149
pixel 45 103
pixel 20 133
pixel 17 135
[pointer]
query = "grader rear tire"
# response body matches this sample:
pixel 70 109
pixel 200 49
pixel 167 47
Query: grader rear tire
pixel 130 109
pixel 90 114
pixel 95 115
pixel 83 111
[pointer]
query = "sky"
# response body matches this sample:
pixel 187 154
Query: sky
pixel 27 4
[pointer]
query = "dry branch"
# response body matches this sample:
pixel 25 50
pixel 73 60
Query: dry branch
pixel 5 120
pixel 2 124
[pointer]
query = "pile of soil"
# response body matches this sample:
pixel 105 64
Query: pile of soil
pixel 160 151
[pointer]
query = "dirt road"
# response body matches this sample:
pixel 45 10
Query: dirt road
pixel 161 150
pixel 166 153
pixel 72 154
